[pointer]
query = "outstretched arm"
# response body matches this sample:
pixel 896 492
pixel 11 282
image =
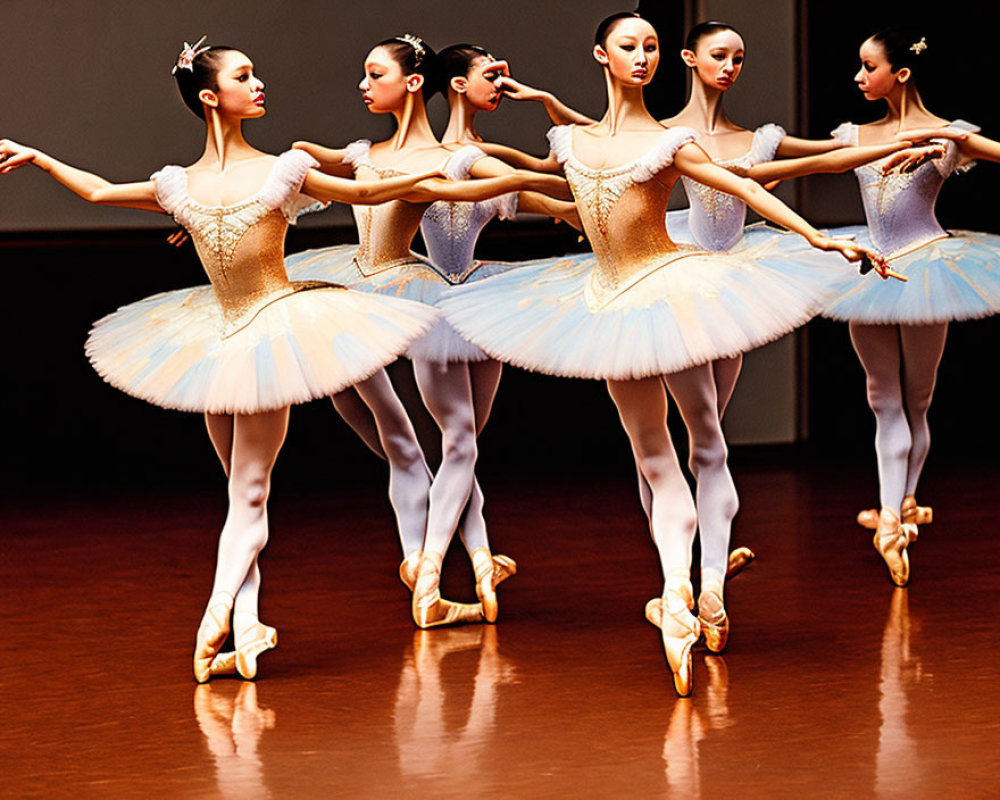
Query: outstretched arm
pixel 364 193
pixel 485 188
pixel 977 146
pixel 92 188
pixel 841 160
pixel 331 160
pixel 558 111
pixel 519 159
pixel 529 201
pixel 794 147
pixel 692 161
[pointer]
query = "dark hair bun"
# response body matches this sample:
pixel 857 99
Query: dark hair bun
pixel 415 57
pixel 202 75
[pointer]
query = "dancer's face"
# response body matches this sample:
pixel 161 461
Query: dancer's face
pixel 876 78
pixel 240 93
pixel 384 87
pixel 717 59
pixel 481 85
pixel 631 52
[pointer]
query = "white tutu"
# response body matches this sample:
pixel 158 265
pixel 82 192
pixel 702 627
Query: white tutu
pixel 692 308
pixel 308 340
pixel 415 279
pixel 952 278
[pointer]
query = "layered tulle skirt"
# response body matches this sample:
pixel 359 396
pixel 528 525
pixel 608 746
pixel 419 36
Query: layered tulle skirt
pixel 690 308
pixel 414 279
pixel 178 350
pixel 951 278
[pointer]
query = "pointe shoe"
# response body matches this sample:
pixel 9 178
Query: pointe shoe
pixel 223 664
pixel 679 630
pixel 212 634
pixel 408 570
pixel 490 571
pixel 713 618
pixel 891 539
pixel 911 514
pixel 739 560
pixel 429 609
pixel 250 643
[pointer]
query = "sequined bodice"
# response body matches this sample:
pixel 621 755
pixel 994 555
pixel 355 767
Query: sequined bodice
pixel 616 206
pixel 716 219
pixel 241 245
pixel 242 249
pixel 385 231
pixel 899 207
pixel 451 229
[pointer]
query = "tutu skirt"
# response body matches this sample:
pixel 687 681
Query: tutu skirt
pixel 693 307
pixel 952 278
pixel 178 350
pixel 414 279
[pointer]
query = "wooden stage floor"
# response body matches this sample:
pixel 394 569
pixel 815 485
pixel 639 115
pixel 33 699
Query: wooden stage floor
pixel 835 684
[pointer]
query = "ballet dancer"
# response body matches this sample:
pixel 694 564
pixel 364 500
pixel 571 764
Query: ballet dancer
pixel 401 73
pixel 642 313
pixel 899 333
pixel 244 348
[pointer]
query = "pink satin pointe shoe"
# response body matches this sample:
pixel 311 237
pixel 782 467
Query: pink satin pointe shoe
pixel 679 629
pixel 408 570
pixel 712 616
pixel 739 560
pixel 212 634
pixel 429 609
pixel 490 571
pixel 910 512
pixel 253 640
pixel 891 540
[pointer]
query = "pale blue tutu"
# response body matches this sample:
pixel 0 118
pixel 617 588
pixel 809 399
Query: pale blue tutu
pixel 950 279
pixel 413 279
pixel 693 307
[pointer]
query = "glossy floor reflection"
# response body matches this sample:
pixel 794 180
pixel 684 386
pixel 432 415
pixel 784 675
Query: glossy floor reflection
pixel 835 684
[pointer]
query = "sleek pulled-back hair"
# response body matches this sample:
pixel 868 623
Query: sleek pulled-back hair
pixel 903 48
pixel 456 60
pixel 415 57
pixel 703 29
pixel 604 29
pixel 202 75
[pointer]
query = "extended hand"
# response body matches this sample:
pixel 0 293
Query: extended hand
pixel 912 157
pixel 516 90
pixel 852 251
pixel 14 155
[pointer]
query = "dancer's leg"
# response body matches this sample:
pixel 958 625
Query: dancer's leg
pixel 409 477
pixel 220 431
pixel 878 348
pixel 359 416
pixel 446 390
pixel 923 346
pixel 642 406
pixel 485 378
pixel 256 441
pixel 727 372
pixel 694 390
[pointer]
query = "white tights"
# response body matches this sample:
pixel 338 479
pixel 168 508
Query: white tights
pixel 373 409
pixel 702 394
pixel 642 406
pixel 459 396
pixel 247 446
pixel 901 362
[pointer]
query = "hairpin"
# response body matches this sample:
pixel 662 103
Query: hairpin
pixel 919 47
pixel 416 43
pixel 187 56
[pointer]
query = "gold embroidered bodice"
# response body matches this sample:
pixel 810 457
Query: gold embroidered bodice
pixel 241 245
pixel 622 209
pixel 385 231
